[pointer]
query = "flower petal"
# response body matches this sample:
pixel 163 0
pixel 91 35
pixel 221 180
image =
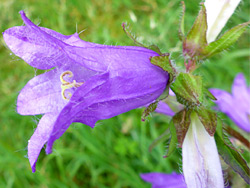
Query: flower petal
pixel 236 106
pixel 201 162
pixel 42 94
pixel 102 97
pixel 112 58
pixel 224 99
pixel 40 137
pixel 162 180
pixel 218 13
pixel 35 46
pixel 43 49
pixel 163 108
pixel 240 92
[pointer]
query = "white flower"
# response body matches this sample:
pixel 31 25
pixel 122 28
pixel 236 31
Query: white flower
pixel 201 162
pixel 218 13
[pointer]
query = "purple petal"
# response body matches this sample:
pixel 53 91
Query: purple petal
pixel 42 94
pixel 240 92
pixel 40 137
pixel 201 162
pixel 114 59
pixel 224 99
pixel 42 51
pixel 163 108
pixel 102 97
pixel 236 106
pixel 162 180
pixel 45 49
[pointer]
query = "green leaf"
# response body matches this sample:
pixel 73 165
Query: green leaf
pixel 181 33
pixel 151 108
pixel 182 121
pixel 233 158
pixel 196 37
pixel 173 142
pixel 188 89
pixel 225 41
pixel 130 35
pixel 165 63
pixel 208 118
pixel 230 155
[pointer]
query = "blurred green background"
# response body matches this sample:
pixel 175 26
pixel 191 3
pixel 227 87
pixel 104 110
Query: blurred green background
pixel 115 152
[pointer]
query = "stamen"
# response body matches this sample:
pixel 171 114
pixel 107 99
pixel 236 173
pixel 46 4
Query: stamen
pixel 68 85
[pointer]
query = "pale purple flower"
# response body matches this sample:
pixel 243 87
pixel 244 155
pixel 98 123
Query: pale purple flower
pixel 200 158
pixel 237 104
pixel 162 180
pixel 88 82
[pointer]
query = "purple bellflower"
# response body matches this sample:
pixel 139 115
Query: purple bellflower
pixel 162 180
pixel 237 104
pixel 88 82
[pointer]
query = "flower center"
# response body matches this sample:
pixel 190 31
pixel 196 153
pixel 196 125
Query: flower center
pixel 68 85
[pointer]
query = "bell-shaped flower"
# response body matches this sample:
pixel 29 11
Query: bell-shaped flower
pixel 218 13
pixel 162 180
pixel 235 105
pixel 200 159
pixel 88 82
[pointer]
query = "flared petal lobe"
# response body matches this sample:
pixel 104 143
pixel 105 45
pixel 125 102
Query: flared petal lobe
pixel 45 49
pixel 235 106
pixel 201 162
pixel 162 180
pixel 40 137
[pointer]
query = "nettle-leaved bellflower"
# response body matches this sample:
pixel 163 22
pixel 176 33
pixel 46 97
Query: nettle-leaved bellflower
pixel 88 82
pixel 237 105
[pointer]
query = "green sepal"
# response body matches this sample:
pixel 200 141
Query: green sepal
pixel 182 122
pixel 148 110
pixel 130 35
pixel 196 37
pixel 224 42
pixel 208 118
pixel 209 94
pixel 181 32
pixel 164 136
pixel 188 89
pixel 173 141
pixel 230 155
pixel 165 63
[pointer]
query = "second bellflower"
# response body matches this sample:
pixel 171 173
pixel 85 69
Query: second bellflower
pixel 88 82
pixel 237 104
